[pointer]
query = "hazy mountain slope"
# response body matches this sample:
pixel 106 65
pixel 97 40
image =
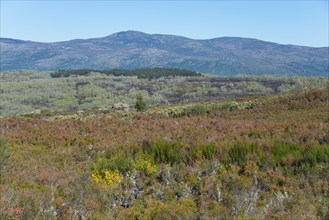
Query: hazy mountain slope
pixel 132 49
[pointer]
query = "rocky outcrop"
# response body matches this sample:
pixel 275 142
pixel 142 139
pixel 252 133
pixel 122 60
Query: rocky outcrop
pixel 120 107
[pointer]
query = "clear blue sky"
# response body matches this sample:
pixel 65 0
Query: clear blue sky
pixel 287 22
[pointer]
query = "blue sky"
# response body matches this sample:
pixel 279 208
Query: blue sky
pixel 286 22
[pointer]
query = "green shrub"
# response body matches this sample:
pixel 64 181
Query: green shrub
pixel 164 152
pixel 228 106
pixel 140 104
pixel 208 150
pixel 4 151
pixel 286 154
pixel 241 152
pixel 314 155
pixel 203 151
pixel 198 109
pixel 119 163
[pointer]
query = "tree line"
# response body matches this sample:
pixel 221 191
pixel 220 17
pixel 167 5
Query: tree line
pixel 145 73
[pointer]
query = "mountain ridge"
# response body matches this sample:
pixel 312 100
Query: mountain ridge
pixel 135 49
pixel 168 35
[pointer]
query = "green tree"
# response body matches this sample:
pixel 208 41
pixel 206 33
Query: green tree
pixel 140 104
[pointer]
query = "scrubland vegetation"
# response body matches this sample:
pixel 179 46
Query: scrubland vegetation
pixel 28 91
pixel 245 157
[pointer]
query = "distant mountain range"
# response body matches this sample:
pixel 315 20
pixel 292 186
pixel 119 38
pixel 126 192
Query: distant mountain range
pixel 132 49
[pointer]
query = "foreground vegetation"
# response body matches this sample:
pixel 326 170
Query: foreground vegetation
pixel 246 158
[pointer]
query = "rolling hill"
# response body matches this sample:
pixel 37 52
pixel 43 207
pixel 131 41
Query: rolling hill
pixel 132 49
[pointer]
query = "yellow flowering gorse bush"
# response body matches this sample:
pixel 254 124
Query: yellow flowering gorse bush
pixel 108 171
pixel 145 166
pixel 109 178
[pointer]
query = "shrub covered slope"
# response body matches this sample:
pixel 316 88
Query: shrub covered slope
pixel 250 158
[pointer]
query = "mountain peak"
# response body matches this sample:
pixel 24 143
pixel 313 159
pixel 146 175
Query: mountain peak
pixel 129 33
